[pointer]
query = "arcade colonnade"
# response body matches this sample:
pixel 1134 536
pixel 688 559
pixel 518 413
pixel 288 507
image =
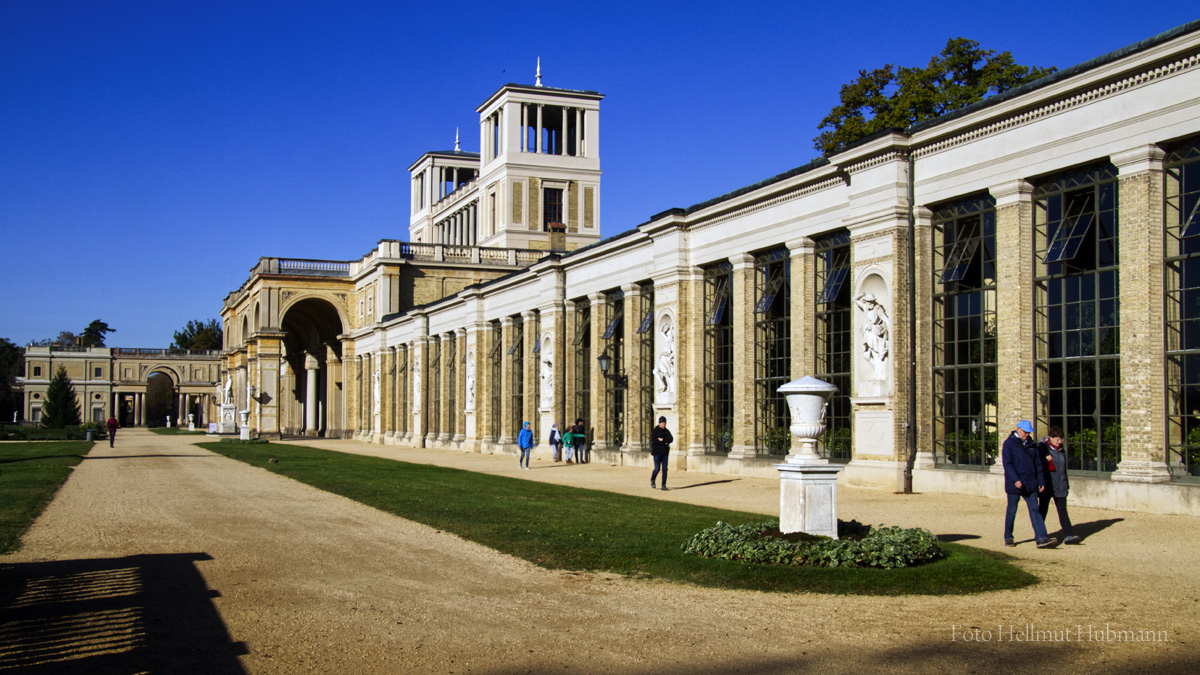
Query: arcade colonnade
pixel 1027 258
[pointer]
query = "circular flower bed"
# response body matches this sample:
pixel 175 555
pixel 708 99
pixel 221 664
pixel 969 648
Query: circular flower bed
pixel 859 546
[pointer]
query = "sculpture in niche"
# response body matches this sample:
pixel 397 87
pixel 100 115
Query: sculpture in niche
pixel 547 374
pixel 664 370
pixel 416 366
pixel 470 405
pixel 876 333
pixel 375 387
pixel 228 394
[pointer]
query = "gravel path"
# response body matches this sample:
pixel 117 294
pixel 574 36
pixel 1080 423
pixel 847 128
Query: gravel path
pixel 159 556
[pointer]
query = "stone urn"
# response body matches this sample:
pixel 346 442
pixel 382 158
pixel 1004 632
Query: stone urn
pixel 807 482
pixel 807 400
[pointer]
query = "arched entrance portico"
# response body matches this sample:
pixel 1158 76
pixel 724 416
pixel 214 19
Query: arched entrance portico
pixel 311 369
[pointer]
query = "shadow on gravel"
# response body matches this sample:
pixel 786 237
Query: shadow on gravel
pixel 957 537
pixel 146 613
pixel 711 482
pixel 1085 530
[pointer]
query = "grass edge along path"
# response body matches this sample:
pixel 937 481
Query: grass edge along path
pixel 568 528
pixel 30 475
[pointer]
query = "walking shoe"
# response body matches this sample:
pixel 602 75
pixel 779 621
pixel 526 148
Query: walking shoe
pixel 665 488
pixel 1048 541
pixel 1070 539
pixel 570 462
pixel 652 487
pixel 1009 542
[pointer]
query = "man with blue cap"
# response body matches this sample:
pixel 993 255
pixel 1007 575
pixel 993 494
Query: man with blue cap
pixel 1023 480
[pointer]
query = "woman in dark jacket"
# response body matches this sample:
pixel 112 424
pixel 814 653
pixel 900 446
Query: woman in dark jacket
pixel 1053 453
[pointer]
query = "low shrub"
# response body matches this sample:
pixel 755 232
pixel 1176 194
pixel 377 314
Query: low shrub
pixel 252 441
pixel 858 546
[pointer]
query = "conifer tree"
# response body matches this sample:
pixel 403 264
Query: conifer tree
pixel 62 406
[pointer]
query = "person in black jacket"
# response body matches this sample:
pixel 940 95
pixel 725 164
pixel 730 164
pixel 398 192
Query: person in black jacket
pixel 660 445
pixel 1053 453
pixel 1023 480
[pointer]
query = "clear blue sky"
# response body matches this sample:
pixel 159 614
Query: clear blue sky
pixel 151 151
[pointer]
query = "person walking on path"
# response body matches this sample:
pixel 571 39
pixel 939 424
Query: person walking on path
pixel 660 446
pixel 568 440
pixel 583 453
pixel 556 442
pixel 112 429
pixel 1053 454
pixel 525 443
pixel 1023 480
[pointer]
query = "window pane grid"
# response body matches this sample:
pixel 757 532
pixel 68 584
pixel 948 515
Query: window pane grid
pixel 834 340
pixel 718 360
pixel 1077 314
pixel 614 426
pixel 964 334
pixel 1183 310
pixel 772 353
pixel 583 364
pixel 646 368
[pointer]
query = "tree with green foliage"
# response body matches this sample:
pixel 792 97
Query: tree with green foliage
pixel 93 335
pixel 199 335
pixel 12 364
pixel 62 406
pixel 899 96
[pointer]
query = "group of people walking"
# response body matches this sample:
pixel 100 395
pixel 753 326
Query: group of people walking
pixel 1036 472
pixel 573 448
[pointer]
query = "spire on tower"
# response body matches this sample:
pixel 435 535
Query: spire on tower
pixel 539 73
pixel 456 149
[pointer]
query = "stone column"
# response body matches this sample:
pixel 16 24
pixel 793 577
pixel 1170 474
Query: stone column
pixel 538 138
pixel 924 331
pixel 598 417
pixel 1143 385
pixel 1014 308
pixel 418 358
pixel 389 393
pixel 445 430
pixel 138 399
pixel 635 417
pixel 311 365
pixel 507 434
pixel 741 304
pixel 803 306
pixel 335 404
pixel 529 401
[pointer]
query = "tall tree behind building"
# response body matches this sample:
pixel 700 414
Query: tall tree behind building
pixel 93 335
pixel 199 335
pixel 12 364
pixel 62 406
pixel 899 96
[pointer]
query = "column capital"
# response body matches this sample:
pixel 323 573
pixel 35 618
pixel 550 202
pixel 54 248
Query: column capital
pixel 461 332
pixel 741 261
pixel 528 315
pixel 631 290
pixel 598 298
pixel 1013 192
pixel 506 321
pixel 923 215
pixel 800 246
pixel 1141 159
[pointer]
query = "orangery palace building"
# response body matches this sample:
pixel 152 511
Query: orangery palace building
pixel 1035 255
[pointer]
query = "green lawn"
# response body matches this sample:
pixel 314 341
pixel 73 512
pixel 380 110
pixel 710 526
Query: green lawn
pixel 30 474
pixel 559 527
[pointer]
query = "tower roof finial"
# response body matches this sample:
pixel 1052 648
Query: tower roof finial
pixel 539 73
pixel 456 149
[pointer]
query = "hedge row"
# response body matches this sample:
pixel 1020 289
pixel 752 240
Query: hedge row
pixel 860 546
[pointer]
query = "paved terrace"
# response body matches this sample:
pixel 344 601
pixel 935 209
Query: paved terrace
pixel 158 555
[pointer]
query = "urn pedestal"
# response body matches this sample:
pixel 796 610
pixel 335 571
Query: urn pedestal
pixel 808 482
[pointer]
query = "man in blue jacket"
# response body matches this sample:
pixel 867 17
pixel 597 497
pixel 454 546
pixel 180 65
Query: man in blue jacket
pixel 1023 479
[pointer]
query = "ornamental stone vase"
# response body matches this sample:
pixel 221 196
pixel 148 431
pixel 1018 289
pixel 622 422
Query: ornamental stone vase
pixel 807 482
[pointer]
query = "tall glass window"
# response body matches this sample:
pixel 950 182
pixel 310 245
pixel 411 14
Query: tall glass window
pixel 451 383
pixel 834 342
pixel 404 411
pixel 1183 309
pixel 718 358
pixel 583 365
pixel 517 353
pixel 645 388
pixel 435 388
pixel 964 334
pixel 496 361
pixel 1078 358
pixel 614 381
pixel 772 351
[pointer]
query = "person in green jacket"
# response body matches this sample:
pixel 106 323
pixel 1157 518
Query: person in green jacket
pixel 568 440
